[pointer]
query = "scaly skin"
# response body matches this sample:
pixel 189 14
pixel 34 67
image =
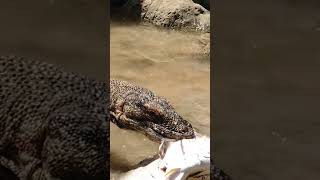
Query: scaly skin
pixel 218 174
pixel 137 108
pixel 54 125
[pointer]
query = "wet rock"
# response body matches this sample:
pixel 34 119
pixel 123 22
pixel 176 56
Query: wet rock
pixel 204 3
pixel 205 44
pixel 175 14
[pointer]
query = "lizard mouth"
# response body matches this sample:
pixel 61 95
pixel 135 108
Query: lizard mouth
pixel 169 133
pixel 155 132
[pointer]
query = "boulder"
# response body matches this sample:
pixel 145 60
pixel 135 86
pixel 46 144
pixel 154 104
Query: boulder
pixel 175 14
pixel 204 3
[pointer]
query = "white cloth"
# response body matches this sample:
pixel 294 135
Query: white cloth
pixel 181 159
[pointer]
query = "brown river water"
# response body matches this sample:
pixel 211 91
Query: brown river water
pixel 171 64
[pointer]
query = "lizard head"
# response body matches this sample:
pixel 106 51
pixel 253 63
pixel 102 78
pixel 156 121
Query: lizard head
pixel 153 116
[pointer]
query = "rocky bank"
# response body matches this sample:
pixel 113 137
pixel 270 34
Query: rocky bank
pixel 174 14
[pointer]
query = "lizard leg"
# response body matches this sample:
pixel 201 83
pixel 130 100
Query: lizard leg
pixel 116 114
pixel 119 114
pixel 27 168
pixel 11 166
pixel 42 174
pixel 7 174
pixel 119 111
pixel 76 146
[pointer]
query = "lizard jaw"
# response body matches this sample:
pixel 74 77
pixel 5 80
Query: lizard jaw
pixel 129 123
pixel 170 134
pixel 154 132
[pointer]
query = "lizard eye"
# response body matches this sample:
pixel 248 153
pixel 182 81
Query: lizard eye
pixel 140 105
pixel 151 110
pixel 154 112
pixel 148 107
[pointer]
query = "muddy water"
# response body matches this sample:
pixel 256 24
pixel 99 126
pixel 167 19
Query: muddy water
pixel 170 63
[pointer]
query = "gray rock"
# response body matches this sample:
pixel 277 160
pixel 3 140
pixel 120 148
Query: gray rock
pixel 205 43
pixel 175 14
pixel 181 14
pixel 204 3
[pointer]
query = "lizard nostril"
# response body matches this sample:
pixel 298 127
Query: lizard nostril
pixel 186 129
pixel 164 169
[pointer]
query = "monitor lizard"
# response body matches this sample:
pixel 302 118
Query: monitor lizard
pixel 54 124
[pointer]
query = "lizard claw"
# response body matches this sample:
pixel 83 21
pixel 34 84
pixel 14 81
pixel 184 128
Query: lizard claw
pixel 117 114
pixel 119 107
